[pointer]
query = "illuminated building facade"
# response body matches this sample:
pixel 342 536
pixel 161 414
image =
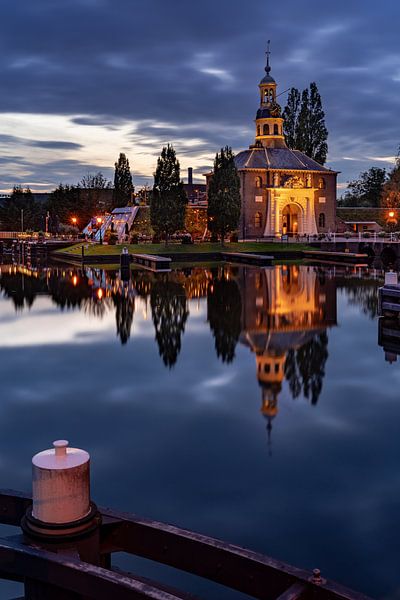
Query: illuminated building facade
pixel 284 192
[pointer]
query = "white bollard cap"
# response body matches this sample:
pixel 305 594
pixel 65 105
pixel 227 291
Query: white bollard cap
pixel 61 484
pixel 391 278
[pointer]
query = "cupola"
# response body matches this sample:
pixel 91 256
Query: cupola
pixel 269 123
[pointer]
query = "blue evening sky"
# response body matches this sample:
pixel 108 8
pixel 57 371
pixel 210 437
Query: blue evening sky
pixel 82 80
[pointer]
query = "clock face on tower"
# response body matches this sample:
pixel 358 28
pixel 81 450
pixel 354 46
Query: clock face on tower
pixel 275 109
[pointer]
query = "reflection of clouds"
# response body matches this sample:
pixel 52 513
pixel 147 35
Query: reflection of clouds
pixel 46 324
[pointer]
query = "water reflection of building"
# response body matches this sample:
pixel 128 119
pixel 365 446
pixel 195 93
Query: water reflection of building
pixel 285 313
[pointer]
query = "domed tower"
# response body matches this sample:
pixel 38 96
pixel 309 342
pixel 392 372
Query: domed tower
pixel 269 123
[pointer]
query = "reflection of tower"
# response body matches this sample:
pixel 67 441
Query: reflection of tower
pixel 270 374
pixel 285 308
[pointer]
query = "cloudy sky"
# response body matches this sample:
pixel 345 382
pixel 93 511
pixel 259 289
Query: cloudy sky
pixel 82 80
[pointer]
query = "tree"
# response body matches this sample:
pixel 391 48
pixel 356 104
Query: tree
pixel 291 118
pixel 168 201
pixel 367 189
pixel 224 312
pixel 123 186
pixel 224 203
pixel 65 203
pixel 305 129
pixel 95 199
pixel 20 211
pixel 169 312
pixel 391 189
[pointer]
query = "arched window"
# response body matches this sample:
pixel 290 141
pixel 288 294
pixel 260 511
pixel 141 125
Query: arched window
pixel 257 220
pixel 258 182
pixel 276 129
pixel 265 95
pixel 271 95
pixel 321 183
pixel 258 130
pixel 321 220
pixel 266 129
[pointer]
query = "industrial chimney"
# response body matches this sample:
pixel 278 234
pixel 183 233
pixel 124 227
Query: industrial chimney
pixel 190 175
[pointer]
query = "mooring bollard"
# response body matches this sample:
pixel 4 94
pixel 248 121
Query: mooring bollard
pixel 62 515
pixel 125 264
pixel 391 278
pixel 125 259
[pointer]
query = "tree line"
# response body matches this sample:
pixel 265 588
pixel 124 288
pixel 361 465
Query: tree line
pixel 375 188
pixel 92 195
pixel 304 129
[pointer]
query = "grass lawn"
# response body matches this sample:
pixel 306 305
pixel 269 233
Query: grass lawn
pixel 272 248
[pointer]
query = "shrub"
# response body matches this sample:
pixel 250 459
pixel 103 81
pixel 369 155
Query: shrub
pixel 214 238
pixel 187 239
pixel 381 234
pixel 347 235
pixel 134 238
pixel 367 234
pixel 234 238
pixel 113 239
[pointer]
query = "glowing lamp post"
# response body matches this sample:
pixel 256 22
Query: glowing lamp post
pixel 99 223
pixel 391 214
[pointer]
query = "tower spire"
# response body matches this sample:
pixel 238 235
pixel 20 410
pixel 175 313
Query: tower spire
pixel 268 53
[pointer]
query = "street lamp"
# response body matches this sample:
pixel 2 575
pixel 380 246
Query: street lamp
pixel 99 223
pixel 74 221
pixel 391 214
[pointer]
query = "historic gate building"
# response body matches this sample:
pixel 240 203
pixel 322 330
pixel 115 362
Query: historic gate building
pixel 283 191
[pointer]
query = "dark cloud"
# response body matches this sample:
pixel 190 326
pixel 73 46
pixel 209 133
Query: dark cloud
pixel 104 63
pixel 52 145
pixel 47 144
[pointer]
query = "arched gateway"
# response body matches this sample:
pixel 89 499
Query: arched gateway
pixel 292 220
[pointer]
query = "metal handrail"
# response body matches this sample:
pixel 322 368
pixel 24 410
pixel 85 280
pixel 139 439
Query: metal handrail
pixel 240 569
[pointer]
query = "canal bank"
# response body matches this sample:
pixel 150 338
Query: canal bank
pixel 250 253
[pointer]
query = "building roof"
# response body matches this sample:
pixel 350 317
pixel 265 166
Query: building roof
pixel 267 79
pixel 277 158
pixel 263 113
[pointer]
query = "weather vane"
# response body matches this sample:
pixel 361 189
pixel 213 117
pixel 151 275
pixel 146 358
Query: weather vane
pixel 268 52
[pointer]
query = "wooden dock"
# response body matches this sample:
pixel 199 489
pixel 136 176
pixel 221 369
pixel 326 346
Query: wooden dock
pixel 353 258
pixel 245 258
pixel 157 264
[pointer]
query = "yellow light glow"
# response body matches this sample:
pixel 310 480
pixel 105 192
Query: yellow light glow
pixel 100 294
pixel 74 281
pixel 74 220
pixel 391 214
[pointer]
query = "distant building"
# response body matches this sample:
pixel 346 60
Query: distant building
pixel 196 192
pixel 283 191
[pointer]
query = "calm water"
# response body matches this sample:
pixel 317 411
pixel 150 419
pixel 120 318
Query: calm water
pixel 254 405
